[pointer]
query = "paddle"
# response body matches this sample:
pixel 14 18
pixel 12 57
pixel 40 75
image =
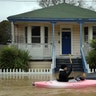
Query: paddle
pixel 70 58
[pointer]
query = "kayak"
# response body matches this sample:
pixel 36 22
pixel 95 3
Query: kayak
pixel 57 84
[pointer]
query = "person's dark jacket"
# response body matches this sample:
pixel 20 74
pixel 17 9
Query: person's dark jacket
pixel 64 75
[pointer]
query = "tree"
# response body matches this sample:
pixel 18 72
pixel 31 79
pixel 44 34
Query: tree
pixel 5 32
pixel 47 3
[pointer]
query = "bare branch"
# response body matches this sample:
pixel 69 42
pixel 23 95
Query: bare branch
pixel 81 3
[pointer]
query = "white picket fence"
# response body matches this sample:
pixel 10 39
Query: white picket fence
pixel 30 71
pixel 34 71
pixel 91 70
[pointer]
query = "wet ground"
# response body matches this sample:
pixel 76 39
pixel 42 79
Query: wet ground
pixel 22 86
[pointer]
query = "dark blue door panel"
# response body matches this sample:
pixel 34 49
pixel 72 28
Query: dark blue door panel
pixel 66 42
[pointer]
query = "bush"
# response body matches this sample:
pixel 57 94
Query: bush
pixel 93 44
pixel 11 57
pixel 91 57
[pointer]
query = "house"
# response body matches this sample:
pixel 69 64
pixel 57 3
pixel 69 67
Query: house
pixel 54 32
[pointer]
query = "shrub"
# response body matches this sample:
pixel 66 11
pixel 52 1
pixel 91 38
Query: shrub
pixel 93 44
pixel 11 57
pixel 91 57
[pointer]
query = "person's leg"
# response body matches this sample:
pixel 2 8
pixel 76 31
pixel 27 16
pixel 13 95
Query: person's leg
pixel 70 78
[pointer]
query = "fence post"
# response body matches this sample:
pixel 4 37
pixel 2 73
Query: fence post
pixel 7 71
pixel 16 71
pixel 20 71
pixel 13 71
pixel 88 68
pixel 29 71
pixel 4 71
pixel 23 71
pixel 10 71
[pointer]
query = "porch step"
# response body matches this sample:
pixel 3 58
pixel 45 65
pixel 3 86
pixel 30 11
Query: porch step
pixel 76 63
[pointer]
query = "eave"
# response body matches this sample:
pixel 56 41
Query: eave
pixel 52 19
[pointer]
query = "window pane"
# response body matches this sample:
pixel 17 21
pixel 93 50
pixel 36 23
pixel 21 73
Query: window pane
pixel 36 34
pixel 85 30
pixel 35 39
pixel 26 34
pixel 86 34
pixel 46 40
pixel 35 30
pixel 94 32
pixel 66 29
pixel 46 31
pixel 46 34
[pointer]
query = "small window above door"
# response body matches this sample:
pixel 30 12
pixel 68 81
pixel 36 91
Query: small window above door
pixel 66 29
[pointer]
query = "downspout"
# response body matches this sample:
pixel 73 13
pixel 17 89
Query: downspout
pixel 82 52
pixel 53 65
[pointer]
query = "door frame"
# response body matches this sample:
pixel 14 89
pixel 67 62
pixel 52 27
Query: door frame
pixel 70 27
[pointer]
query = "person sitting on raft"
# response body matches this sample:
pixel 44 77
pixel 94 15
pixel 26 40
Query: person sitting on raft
pixel 64 74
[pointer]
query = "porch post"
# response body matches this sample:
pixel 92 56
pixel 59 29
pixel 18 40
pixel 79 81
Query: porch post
pixel 53 49
pixel 12 32
pixel 29 34
pixel 82 53
pixel 42 34
pixel 90 34
pixel 80 34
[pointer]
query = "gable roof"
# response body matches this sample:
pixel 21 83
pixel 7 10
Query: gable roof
pixel 57 12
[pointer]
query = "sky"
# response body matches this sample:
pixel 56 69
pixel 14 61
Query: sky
pixel 9 7
pixel 14 7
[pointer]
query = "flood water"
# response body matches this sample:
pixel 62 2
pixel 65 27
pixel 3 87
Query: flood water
pixel 18 85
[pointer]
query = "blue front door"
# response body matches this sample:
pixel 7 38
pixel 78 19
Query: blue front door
pixel 66 42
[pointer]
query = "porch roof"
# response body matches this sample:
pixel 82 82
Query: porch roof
pixel 61 12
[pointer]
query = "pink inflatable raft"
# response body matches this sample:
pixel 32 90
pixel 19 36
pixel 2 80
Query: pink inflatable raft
pixel 56 84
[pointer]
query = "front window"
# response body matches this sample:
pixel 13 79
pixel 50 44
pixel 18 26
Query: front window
pixel 35 34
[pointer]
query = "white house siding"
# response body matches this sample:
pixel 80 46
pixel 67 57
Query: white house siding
pixel 19 34
pixel 76 40
pixel 57 39
pixel 40 64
